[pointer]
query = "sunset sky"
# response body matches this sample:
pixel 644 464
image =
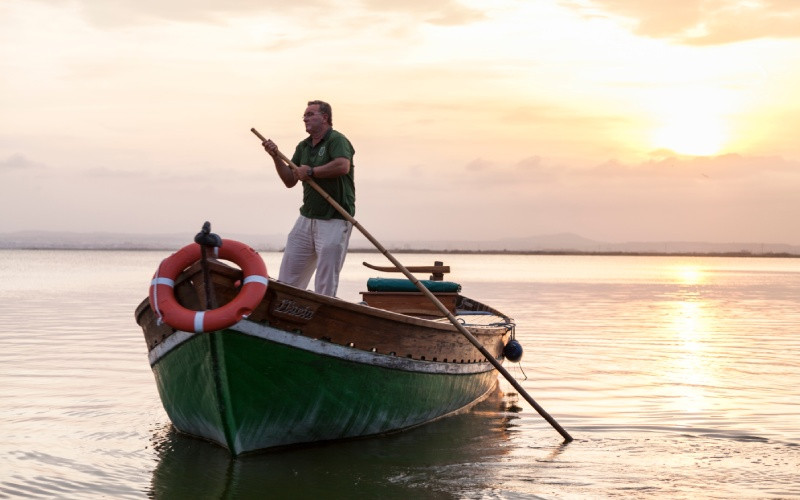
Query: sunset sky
pixel 618 120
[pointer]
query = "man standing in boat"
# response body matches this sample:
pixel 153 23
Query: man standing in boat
pixel 321 235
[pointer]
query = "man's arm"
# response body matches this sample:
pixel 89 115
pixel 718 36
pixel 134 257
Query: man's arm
pixel 334 168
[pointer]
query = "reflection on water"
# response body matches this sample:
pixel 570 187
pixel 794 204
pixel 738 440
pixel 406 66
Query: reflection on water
pixel 691 367
pixel 445 459
pixel 678 378
pixel 688 274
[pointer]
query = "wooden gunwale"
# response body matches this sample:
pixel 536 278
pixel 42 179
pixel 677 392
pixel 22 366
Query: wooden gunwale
pixel 334 320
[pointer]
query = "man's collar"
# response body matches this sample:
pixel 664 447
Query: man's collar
pixel 310 139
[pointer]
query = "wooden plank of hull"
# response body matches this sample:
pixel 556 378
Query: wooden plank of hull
pixel 248 388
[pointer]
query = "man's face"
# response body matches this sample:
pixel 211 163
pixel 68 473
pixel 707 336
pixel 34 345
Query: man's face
pixel 313 119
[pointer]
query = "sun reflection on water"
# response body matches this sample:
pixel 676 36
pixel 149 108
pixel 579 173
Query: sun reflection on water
pixel 691 374
pixel 692 370
pixel 689 275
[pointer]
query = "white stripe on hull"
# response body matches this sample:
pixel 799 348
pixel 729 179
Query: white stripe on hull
pixel 328 349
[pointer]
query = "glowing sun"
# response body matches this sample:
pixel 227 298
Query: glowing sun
pixel 691 121
pixel 696 136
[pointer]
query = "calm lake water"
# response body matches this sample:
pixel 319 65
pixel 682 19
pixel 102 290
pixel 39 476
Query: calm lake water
pixel 677 377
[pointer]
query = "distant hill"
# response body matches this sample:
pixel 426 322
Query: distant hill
pixel 572 243
pixel 122 241
pixel 550 243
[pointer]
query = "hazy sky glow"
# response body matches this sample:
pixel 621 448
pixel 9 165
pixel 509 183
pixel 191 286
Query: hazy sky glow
pixel 617 120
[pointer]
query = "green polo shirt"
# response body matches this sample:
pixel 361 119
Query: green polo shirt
pixel 342 188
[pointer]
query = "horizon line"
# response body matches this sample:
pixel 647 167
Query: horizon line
pixel 574 252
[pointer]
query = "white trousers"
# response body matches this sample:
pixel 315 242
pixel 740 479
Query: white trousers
pixel 316 244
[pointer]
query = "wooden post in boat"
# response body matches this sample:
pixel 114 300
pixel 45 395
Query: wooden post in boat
pixel 474 341
pixel 206 239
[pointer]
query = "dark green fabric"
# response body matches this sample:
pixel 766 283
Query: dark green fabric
pixel 342 189
pixel 404 285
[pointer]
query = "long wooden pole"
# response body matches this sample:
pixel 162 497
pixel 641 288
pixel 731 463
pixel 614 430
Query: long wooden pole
pixel 474 341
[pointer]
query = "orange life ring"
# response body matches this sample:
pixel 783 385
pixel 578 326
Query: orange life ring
pixel 254 286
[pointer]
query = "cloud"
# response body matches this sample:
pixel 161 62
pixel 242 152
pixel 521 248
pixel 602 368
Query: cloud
pixel 478 165
pixel 444 13
pixel 721 199
pixel 703 22
pixel 114 13
pixel 19 162
pixel 729 166
pixel 690 198
pixel 667 197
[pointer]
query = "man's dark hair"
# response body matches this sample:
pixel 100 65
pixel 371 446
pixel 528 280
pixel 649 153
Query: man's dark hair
pixel 325 109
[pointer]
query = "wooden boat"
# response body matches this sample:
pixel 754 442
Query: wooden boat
pixel 306 368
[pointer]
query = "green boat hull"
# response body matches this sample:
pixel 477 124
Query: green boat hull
pixel 253 387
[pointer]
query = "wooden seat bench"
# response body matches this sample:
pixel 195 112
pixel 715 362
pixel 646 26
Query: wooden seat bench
pixel 413 303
